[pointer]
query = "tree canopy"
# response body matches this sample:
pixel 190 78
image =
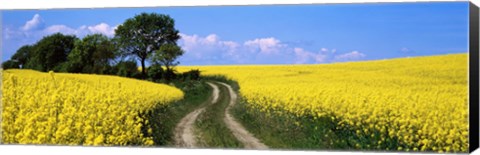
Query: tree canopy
pixel 167 55
pixel 50 52
pixel 22 55
pixel 145 37
pixel 92 54
pixel 145 33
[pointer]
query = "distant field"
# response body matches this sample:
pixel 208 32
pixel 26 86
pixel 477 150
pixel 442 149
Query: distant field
pixel 73 109
pixel 413 104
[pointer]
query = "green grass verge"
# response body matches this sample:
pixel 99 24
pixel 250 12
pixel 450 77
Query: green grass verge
pixel 164 119
pixel 287 131
pixel 210 125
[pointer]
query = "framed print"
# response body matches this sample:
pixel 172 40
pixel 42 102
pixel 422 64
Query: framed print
pixel 356 77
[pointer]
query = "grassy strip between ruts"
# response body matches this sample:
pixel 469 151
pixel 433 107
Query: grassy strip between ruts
pixel 164 119
pixel 211 127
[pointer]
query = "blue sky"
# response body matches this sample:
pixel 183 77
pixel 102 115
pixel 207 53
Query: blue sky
pixel 270 34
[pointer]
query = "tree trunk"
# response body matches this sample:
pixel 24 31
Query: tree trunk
pixel 168 73
pixel 168 67
pixel 143 68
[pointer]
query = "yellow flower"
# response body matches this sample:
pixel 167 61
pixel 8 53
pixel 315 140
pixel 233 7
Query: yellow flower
pixel 79 106
pixel 366 96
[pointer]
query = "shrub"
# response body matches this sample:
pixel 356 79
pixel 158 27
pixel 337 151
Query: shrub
pixel 193 74
pixel 169 74
pixel 126 69
pixel 155 72
pixel 10 64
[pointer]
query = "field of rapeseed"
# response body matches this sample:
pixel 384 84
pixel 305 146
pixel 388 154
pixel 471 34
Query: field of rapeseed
pixel 412 104
pixel 79 109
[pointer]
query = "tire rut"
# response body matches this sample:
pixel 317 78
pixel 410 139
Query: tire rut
pixel 184 131
pixel 245 137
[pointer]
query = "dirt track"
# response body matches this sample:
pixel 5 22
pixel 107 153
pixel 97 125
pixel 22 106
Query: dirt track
pixel 248 140
pixel 184 131
pixel 185 137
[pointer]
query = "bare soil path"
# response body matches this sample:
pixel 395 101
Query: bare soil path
pixel 245 137
pixel 184 131
pixel 184 134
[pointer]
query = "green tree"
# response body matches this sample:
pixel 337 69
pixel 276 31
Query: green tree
pixel 92 54
pixel 10 64
pixel 22 55
pixel 50 52
pixel 126 68
pixel 147 32
pixel 167 56
pixel 155 72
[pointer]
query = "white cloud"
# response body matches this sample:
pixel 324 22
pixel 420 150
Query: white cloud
pixel 190 42
pixel 324 50
pixel 102 28
pixel 35 23
pixel 211 49
pixel 8 33
pixel 303 56
pixel 230 44
pixel 60 28
pixel 81 31
pixel 35 29
pixel 327 51
pixel 406 50
pixel 197 46
pixel 351 56
pixel 211 39
pixel 265 45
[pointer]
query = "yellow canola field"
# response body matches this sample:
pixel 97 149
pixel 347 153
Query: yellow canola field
pixel 421 101
pixel 78 109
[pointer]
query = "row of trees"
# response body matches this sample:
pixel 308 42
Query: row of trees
pixel 146 37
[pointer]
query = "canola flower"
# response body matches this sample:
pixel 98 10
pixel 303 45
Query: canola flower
pixel 421 102
pixel 78 109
